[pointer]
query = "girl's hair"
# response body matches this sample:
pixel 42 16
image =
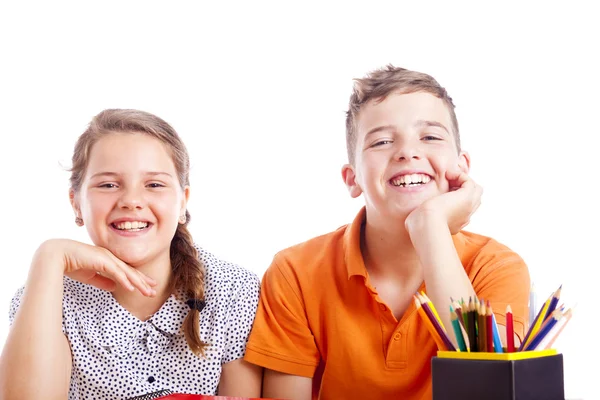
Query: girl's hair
pixel 188 271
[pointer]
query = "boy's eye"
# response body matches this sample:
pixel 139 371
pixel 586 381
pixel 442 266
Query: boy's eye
pixel 156 185
pixel 430 137
pixel 108 185
pixel 381 142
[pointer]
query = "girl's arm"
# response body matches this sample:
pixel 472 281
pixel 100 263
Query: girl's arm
pixel 36 360
pixel 239 378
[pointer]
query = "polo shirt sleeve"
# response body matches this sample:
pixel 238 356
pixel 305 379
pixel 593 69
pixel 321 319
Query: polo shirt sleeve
pixel 502 277
pixel 281 338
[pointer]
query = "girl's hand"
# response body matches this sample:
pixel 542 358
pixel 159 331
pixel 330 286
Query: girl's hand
pixel 97 266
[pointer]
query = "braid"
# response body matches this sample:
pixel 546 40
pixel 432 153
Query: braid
pixel 188 275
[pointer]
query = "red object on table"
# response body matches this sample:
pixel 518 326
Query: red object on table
pixel 203 397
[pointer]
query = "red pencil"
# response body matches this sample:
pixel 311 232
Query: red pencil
pixel 510 331
pixel 489 328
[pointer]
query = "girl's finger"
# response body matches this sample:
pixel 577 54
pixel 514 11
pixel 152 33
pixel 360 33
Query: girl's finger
pixel 102 282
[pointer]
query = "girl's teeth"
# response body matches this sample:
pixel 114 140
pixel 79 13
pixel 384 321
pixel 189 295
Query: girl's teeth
pixel 135 225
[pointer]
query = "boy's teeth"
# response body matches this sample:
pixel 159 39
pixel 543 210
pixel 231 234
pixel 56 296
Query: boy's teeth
pixel 131 225
pixel 411 179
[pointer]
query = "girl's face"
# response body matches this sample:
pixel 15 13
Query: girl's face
pixel 130 198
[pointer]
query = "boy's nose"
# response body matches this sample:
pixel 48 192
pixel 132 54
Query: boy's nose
pixel 405 153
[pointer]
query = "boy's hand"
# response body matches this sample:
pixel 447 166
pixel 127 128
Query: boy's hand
pixel 454 207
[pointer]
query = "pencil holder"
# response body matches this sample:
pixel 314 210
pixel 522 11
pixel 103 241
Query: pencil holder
pixel 527 375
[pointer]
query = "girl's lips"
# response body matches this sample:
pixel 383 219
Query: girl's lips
pixel 131 232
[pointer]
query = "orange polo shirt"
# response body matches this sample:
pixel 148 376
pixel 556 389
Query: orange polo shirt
pixel 319 317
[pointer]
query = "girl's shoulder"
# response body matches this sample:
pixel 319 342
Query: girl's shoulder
pixel 219 269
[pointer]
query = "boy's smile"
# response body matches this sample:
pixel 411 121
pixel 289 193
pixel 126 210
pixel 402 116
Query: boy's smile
pixel 405 145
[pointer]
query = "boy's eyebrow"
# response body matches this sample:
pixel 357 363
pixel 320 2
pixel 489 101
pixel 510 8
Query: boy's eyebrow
pixel 422 123
pixel 111 174
pixel 379 129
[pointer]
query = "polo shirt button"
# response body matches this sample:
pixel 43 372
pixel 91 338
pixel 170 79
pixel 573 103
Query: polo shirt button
pixel 397 336
pixel 382 307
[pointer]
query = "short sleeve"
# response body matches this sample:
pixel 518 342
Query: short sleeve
pixel 14 305
pixel 67 309
pixel 241 316
pixel 281 338
pixel 502 277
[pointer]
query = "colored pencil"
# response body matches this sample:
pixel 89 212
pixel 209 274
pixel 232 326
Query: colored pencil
pixel 436 337
pixel 481 329
pixel 457 331
pixel 510 331
pixel 436 323
pixel 553 303
pixel 432 307
pixel 544 330
pixel 472 332
pixel 532 304
pixel 489 330
pixel 550 338
pixel 535 325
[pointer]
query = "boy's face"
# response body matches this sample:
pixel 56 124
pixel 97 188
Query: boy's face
pixel 404 146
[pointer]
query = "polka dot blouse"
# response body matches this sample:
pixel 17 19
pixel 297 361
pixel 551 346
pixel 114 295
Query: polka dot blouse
pixel 117 356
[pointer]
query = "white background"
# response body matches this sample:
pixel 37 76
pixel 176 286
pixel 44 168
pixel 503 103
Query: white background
pixel 258 92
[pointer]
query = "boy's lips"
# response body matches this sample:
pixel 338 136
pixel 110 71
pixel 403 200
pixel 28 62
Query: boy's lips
pixel 410 180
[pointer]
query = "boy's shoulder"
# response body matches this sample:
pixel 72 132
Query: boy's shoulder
pixel 310 256
pixel 476 250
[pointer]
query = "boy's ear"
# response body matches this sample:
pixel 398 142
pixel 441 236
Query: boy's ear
pixel 464 162
pixel 349 177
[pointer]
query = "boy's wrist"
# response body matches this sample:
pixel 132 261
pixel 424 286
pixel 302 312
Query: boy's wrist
pixel 423 220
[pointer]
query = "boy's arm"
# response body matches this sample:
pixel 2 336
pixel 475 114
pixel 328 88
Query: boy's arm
pixel 443 271
pixel 277 385
pixel 499 275
pixel 281 340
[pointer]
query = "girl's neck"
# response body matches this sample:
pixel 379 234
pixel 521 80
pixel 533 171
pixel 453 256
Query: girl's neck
pixel 143 307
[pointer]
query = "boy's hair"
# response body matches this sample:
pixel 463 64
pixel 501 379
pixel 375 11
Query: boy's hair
pixel 379 84
pixel 188 271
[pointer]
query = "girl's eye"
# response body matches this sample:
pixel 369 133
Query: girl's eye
pixel 429 137
pixel 108 185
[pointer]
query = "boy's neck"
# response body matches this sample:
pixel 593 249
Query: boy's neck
pixel 388 251
pixel 143 307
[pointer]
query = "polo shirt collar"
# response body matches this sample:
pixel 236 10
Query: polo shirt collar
pixel 352 251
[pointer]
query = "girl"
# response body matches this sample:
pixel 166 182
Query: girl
pixel 144 310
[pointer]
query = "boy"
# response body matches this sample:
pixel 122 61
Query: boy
pixel 336 315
